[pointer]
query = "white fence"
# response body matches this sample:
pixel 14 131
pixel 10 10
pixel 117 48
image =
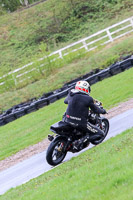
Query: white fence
pixel 89 43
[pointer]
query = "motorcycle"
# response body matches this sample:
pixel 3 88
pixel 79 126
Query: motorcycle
pixel 66 135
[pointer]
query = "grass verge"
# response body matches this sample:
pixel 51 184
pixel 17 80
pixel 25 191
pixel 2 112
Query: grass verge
pixel 103 172
pixel 34 127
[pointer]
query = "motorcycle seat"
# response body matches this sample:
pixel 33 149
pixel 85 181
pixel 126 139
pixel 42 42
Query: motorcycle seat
pixel 60 126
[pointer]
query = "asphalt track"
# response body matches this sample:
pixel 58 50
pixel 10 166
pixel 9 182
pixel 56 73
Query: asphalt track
pixel 37 165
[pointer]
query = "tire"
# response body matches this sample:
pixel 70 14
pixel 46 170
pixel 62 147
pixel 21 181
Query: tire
pixel 105 129
pixel 56 150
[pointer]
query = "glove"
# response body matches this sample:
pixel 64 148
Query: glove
pixel 104 111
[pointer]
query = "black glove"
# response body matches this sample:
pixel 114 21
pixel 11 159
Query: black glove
pixel 104 111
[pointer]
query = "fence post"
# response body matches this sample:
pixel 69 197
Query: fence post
pixel 131 20
pixel 60 55
pixel 109 35
pixel 13 77
pixel 85 45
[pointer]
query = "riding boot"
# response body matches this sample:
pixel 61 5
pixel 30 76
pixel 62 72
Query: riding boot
pixel 79 144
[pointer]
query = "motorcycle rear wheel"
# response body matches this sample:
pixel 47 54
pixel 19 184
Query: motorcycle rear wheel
pixel 105 124
pixel 55 153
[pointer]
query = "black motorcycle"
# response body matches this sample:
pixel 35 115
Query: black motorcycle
pixel 66 136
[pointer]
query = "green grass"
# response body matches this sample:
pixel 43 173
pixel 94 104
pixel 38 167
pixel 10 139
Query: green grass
pixel 101 173
pixel 100 58
pixel 34 127
pixel 24 36
pixel 54 23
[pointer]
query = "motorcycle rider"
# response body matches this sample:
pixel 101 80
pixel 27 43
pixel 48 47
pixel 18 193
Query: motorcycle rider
pixel 79 101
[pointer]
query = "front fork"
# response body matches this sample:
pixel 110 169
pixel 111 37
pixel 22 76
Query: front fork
pixel 99 122
pixel 68 144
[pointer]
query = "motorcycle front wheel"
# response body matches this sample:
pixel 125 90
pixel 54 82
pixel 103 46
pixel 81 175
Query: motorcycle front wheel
pixel 105 129
pixel 56 152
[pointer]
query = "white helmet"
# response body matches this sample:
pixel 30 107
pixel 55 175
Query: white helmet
pixel 83 86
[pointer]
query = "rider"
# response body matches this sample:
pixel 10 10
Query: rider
pixel 79 101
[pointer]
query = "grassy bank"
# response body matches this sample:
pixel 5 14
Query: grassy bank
pixel 100 58
pixel 55 23
pixel 103 172
pixel 34 127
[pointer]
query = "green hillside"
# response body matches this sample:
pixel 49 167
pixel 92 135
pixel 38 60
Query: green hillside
pixel 25 34
pixel 55 23
pixel 100 58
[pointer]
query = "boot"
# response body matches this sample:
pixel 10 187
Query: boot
pixel 79 144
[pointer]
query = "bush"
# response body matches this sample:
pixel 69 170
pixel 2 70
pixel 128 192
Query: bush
pixel 10 5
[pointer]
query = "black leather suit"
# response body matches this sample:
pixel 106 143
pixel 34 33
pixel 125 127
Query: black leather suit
pixel 77 113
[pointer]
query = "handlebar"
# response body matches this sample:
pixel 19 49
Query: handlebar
pixel 98 103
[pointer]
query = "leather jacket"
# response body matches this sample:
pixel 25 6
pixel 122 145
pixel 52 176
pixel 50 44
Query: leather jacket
pixel 78 106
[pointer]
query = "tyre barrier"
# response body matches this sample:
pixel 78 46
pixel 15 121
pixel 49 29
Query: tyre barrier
pixel 92 77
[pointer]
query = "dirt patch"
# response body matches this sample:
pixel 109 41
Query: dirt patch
pixel 41 146
pixel 122 107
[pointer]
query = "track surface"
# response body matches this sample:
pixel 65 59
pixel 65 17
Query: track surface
pixel 37 165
